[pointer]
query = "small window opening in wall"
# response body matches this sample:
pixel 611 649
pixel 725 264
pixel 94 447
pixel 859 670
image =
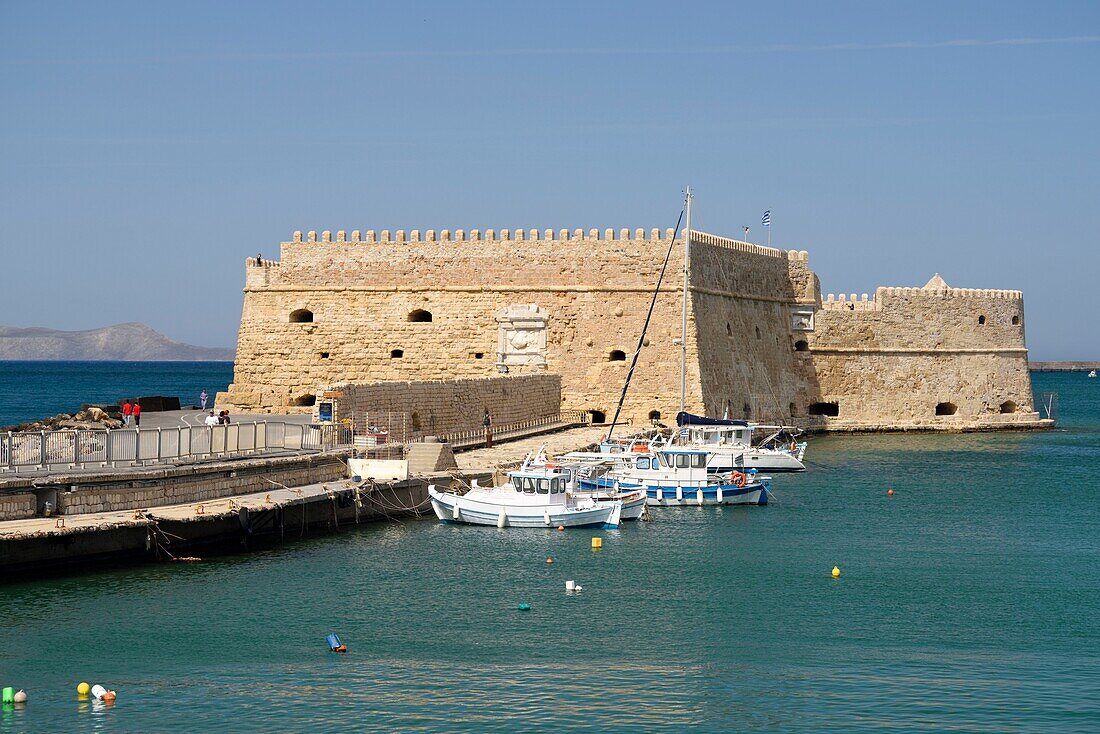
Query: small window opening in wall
pixel 801 346
pixel 793 410
pixel 946 409
pixel 598 416
pixel 617 355
pixel 830 409
pixel 655 415
pixel 305 400
pixel 479 355
pixel 757 332
pixel 729 331
pixel 324 355
pixel 414 422
pixel 1009 406
pixel 981 320
pixel 397 353
pixel 301 316
pixel 747 409
pixel 1015 320
pixel 420 316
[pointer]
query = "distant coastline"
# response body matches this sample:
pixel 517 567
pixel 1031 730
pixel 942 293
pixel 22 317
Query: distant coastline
pixel 1077 366
pixel 131 342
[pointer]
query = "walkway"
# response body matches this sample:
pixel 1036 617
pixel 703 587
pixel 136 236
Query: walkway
pixel 510 454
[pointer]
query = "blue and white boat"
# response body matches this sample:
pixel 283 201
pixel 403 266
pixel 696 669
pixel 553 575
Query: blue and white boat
pixel 533 497
pixel 730 444
pixel 674 477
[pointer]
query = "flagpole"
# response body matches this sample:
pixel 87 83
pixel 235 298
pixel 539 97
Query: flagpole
pixel 769 229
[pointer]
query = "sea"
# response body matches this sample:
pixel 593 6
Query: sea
pixel 968 601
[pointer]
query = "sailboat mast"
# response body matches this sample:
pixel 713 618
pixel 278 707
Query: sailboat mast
pixel 684 325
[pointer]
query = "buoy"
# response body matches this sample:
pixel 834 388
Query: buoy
pixel 82 689
pixel 561 527
pixel 570 585
pixel 8 695
pixel 502 519
pixel 109 696
pixel 549 560
pixel 524 607
pixel 597 543
pixel 20 696
pixel 836 572
pixel 98 691
pixel 890 493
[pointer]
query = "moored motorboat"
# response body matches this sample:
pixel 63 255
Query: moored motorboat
pixel 533 497
pixel 729 444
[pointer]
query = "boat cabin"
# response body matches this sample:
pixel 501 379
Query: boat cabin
pixel 718 435
pixel 684 464
pixel 539 481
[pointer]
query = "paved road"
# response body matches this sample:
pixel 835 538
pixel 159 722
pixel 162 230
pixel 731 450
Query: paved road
pixel 174 418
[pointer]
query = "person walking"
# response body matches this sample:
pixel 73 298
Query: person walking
pixel 203 397
pixel 136 412
pixel 211 420
pixel 127 411
pixel 488 423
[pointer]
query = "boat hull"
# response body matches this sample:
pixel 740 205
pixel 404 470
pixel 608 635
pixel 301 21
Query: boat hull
pixel 658 495
pixel 463 510
pixel 720 462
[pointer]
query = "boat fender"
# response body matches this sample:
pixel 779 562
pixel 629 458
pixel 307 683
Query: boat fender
pixel 502 519
pixel 718 494
pixel 454 512
pixel 679 494
pixel 699 496
pixel 546 517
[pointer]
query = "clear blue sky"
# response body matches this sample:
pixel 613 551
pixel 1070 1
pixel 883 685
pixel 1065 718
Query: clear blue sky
pixel 147 148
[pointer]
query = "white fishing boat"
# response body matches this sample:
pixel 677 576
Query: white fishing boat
pixel 1092 373
pixel 676 476
pixel 730 444
pixel 533 497
pixel 590 466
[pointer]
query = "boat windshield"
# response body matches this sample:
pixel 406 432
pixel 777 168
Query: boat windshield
pixel 528 485
pixel 517 483
pixel 544 486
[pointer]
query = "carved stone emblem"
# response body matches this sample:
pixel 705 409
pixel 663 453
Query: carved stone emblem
pixel 802 319
pixel 521 335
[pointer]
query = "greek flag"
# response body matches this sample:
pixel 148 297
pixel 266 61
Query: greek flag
pixel 684 433
pixel 766 220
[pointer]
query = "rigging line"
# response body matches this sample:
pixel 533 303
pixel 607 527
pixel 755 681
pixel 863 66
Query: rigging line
pixel 645 326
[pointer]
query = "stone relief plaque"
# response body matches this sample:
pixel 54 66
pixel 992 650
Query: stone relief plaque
pixel 802 319
pixel 521 335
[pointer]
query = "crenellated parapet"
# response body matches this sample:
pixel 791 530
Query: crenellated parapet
pixel 844 302
pixel 371 236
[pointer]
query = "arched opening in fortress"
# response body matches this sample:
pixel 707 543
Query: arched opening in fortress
pixel 801 346
pixel 946 409
pixel 1009 406
pixel 301 316
pixel 617 355
pixel 981 320
pixel 305 400
pixel 793 410
pixel 1015 320
pixel 598 416
pixel 655 415
pixel 420 316
pixel 397 353
pixel 830 409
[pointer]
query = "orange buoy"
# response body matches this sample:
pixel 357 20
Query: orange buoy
pixel 549 560
pixel 561 527
pixel 109 696
pixel 889 493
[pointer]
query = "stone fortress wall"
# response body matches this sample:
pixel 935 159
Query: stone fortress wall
pixel 761 344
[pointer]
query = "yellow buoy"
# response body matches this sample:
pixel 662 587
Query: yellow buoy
pixel 836 572
pixel 82 689
pixel 597 543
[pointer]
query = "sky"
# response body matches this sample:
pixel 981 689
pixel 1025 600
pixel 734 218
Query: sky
pixel 147 149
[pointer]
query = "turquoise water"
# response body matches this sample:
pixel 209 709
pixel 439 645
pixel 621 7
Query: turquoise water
pixel 33 390
pixel 968 601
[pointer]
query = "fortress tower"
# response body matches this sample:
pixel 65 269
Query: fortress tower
pixel 761 342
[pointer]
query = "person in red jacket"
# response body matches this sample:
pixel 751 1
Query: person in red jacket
pixel 137 413
pixel 127 411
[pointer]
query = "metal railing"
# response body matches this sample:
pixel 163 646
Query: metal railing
pixel 79 449
pixel 507 430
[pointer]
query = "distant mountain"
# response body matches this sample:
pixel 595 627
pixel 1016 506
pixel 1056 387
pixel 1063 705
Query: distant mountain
pixel 123 342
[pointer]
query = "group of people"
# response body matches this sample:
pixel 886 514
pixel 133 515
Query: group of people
pixel 131 412
pixel 221 419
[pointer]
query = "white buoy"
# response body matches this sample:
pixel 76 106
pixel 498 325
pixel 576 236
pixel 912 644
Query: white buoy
pixel 98 691
pixel 454 512
pixel 502 519
pixel 570 585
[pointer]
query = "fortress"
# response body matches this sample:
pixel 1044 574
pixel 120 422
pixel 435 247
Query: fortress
pixel 762 341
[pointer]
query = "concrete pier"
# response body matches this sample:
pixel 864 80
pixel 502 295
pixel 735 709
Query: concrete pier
pixel 184 530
